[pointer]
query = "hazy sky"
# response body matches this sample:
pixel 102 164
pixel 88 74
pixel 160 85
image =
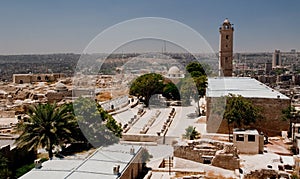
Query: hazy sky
pixel 68 26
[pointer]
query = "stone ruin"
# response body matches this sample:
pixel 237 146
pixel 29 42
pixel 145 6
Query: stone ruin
pixel 219 154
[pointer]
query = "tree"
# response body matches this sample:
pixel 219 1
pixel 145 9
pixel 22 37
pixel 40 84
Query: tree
pixel 196 79
pixel 99 127
pixel 195 69
pixel 191 133
pixel 48 125
pixel 240 112
pixel 288 114
pixel 171 91
pixel 147 85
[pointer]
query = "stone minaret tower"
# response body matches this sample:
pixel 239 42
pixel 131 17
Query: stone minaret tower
pixel 226 48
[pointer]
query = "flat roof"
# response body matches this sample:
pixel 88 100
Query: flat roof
pixel 244 86
pixel 98 165
pixel 253 132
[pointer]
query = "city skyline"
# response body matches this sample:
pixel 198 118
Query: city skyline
pixel 34 27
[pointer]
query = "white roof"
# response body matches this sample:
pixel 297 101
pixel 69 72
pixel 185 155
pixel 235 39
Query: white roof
pixel 244 86
pixel 98 165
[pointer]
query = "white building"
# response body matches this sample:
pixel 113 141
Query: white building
pixel 248 141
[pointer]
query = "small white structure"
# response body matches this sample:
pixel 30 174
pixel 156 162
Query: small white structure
pixel 248 141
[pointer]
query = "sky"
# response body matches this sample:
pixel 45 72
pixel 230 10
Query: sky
pixel 41 27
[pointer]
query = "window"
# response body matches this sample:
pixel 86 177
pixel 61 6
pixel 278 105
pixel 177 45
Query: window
pixel 240 137
pixel 251 138
pixel 298 129
pixel 227 36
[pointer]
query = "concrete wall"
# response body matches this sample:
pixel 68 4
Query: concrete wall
pixel 271 125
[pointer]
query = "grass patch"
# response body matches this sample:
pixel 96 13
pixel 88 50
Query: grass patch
pixel 26 168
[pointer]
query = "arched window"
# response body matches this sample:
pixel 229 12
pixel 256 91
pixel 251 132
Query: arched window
pixel 39 78
pixel 227 36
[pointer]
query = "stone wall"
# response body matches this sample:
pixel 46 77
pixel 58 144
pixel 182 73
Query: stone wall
pixel 223 155
pixel 193 151
pixel 29 78
pixel 271 125
pixel 58 96
pixel 140 137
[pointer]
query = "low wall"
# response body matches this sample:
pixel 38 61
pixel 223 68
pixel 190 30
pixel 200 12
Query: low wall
pixel 140 137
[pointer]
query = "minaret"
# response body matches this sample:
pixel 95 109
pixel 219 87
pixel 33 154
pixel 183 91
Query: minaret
pixel 226 48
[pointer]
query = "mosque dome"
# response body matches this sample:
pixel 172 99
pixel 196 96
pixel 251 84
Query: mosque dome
pixel 174 70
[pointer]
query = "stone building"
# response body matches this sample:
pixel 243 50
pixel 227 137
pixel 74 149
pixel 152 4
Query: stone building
pixel 269 100
pixel 30 78
pixel 226 48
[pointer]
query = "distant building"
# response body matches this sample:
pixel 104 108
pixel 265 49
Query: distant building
pixel 31 78
pixel 268 68
pixel 269 100
pixel 276 62
pixel 116 161
pixel 226 48
pixel 248 141
pixel 174 72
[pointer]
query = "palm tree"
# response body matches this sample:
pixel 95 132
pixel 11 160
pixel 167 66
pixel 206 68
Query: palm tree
pixel 191 133
pixel 48 125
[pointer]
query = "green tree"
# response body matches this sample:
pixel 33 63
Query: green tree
pixel 195 69
pixel 48 125
pixel 240 112
pixel 99 127
pixel 194 84
pixel 147 85
pixel 191 133
pixel 171 91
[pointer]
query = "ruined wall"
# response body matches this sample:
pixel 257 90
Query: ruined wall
pixel 192 152
pixel 271 125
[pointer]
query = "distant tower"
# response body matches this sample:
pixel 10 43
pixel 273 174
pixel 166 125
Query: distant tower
pixel 226 48
pixel 276 59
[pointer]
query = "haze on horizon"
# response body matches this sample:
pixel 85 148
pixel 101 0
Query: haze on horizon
pixel 35 27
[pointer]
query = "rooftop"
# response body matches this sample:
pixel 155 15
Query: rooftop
pixel 98 165
pixel 244 86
